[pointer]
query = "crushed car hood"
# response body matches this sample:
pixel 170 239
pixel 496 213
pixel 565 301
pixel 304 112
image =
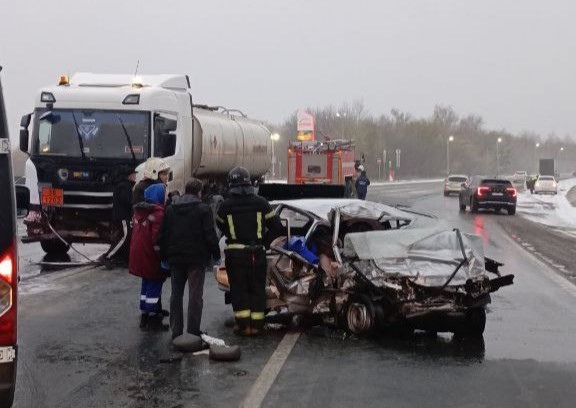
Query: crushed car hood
pixel 428 256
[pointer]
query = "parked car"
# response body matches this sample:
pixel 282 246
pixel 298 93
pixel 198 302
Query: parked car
pixel 521 174
pixel 519 180
pixel 546 185
pixel 484 192
pixel 8 267
pixel 453 183
pixel 367 267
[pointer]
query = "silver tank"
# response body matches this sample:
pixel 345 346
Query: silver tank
pixel 222 141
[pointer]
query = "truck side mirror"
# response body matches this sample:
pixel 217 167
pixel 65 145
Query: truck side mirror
pixel 22 199
pixel 24 134
pixel 24 140
pixel 25 121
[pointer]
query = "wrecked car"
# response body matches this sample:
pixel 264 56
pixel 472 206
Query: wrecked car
pixel 367 268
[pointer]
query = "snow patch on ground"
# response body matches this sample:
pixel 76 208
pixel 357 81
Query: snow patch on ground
pixel 553 210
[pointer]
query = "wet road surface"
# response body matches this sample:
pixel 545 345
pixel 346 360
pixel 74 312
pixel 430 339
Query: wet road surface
pixel 80 344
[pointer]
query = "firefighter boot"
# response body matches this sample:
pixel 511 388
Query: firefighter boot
pixel 257 326
pixel 242 327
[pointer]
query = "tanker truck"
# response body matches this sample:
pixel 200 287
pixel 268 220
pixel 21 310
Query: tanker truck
pixel 87 130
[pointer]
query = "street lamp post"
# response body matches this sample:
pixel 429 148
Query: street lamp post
pixel 274 137
pixel 536 146
pixel 560 160
pixel 498 156
pixel 450 139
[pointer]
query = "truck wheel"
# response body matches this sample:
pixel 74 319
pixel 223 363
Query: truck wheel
pixel 473 205
pixel 54 246
pixel 359 315
pixel 474 324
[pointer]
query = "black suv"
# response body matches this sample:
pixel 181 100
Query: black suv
pixel 8 267
pixel 484 192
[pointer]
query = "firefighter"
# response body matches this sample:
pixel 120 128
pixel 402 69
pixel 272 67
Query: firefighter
pixel 242 218
pixel 156 170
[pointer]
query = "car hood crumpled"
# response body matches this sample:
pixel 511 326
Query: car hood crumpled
pixel 429 256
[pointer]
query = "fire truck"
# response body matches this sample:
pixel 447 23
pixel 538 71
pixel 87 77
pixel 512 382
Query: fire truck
pixel 316 162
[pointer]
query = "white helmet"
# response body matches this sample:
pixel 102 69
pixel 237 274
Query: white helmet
pixel 360 168
pixel 154 166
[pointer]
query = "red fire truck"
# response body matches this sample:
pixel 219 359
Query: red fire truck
pixel 315 162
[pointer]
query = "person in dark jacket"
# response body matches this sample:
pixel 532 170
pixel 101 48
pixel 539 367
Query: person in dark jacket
pixel 188 242
pixel 145 256
pixel 121 217
pixel 243 218
pixel 156 171
pixel 362 183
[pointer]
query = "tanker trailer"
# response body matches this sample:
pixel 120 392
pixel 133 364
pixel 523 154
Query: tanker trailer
pixel 87 130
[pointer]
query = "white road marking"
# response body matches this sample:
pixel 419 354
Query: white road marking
pixel 270 371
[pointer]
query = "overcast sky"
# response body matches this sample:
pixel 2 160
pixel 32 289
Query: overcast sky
pixel 513 62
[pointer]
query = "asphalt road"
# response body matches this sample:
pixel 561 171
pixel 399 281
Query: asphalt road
pixel 80 345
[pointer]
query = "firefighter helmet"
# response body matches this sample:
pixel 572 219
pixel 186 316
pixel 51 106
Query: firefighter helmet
pixel 154 166
pixel 238 176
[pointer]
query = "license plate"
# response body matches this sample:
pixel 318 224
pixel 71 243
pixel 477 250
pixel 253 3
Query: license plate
pixel 7 354
pixel 497 194
pixel 52 196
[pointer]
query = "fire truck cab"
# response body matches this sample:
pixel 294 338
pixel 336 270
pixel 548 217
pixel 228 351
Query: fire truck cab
pixel 316 162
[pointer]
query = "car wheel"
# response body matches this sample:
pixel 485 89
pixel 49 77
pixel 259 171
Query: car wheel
pixel 512 210
pixel 359 315
pixel 54 246
pixel 474 323
pixel 473 205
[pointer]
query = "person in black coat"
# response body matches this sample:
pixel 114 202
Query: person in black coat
pixel 121 218
pixel 362 183
pixel 188 242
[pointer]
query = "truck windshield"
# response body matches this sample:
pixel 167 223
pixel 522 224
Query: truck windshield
pixel 96 133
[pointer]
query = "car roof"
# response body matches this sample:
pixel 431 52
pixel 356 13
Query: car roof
pixel 322 207
pixel 458 175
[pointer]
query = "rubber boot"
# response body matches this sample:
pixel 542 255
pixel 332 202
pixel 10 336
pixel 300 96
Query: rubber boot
pixel 242 327
pixel 257 327
pixel 156 324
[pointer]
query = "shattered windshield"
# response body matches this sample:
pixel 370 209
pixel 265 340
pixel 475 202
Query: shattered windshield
pixel 91 133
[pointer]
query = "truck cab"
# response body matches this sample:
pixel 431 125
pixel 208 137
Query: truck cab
pixel 89 130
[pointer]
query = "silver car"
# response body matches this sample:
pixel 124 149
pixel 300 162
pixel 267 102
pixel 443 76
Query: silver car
pixel 453 184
